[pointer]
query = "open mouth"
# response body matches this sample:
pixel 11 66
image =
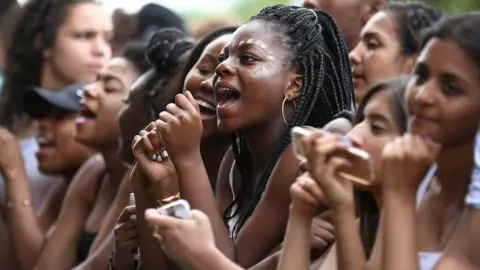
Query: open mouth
pixel 85 114
pixel 45 142
pixel 225 94
pixel 206 108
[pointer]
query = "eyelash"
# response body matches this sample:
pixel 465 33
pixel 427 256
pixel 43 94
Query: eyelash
pixel 205 70
pixel 247 58
pixel 371 44
pixel 376 129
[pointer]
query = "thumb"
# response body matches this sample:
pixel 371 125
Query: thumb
pixel 199 216
pixel 434 148
pixel 192 100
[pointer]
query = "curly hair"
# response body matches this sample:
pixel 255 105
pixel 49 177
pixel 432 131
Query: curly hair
pixel 315 45
pixel 35 30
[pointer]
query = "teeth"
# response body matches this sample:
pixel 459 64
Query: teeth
pixel 205 104
pixel 43 140
pixel 224 89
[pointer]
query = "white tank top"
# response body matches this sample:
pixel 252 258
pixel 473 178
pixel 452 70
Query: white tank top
pixel 427 260
pixel 233 220
pixel 473 196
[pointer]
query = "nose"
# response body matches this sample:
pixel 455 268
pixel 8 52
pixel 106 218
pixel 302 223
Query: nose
pixel 355 55
pixel 43 125
pixel 355 136
pixel 224 69
pixel 101 48
pixel 309 4
pixel 207 85
pixel 422 94
pixel 90 91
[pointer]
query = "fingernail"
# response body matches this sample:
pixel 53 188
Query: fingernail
pixel 347 143
pixel 154 157
pixel 159 158
pixel 158 122
pixel 164 154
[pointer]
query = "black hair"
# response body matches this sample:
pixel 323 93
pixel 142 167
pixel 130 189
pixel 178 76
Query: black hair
pixel 461 29
pixel 134 52
pixel 367 208
pixel 412 19
pixel 166 54
pixel 169 96
pixel 35 30
pixel 316 48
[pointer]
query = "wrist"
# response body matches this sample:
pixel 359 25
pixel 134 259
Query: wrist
pixel 208 258
pixel 14 173
pixel 300 214
pixel 187 160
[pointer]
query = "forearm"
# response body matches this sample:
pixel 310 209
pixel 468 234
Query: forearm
pixel 296 249
pixel 350 251
pixel 152 257
pixel 26 235
pixel 99 258
pixel 399 245
pixel 196 189
pixel 213 259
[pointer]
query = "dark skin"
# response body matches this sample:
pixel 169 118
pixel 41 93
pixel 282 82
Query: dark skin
pixel 350 15
pixel 255 110
pixel 213 145
pixel 134 116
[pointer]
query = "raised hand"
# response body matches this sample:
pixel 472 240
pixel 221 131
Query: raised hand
pixel 307 197
pixel 324 154
pixel 181 128
pixel 125 233
pixel 11 160
pixel 405 161
pixel 151 156
pixel 182 239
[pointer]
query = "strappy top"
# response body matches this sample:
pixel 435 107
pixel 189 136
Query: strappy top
pixel 473 195
pixel 233 220
pixel 427 260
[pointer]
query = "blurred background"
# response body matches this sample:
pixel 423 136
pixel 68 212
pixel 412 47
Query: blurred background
pixel 194 10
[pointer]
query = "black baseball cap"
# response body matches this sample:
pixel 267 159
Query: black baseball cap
pixel 39 102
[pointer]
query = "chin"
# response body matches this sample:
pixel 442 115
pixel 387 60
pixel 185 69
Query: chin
pixel 49 169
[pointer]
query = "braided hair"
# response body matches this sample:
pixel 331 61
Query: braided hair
pixel 35 30
pixel 412 19
pixel 166 54
pixel 316 47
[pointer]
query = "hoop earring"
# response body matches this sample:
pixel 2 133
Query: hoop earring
pixel 283 110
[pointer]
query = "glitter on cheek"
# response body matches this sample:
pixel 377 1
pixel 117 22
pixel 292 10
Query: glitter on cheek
pixel 266 70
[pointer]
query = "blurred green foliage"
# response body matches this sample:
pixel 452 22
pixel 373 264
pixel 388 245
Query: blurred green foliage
pixel 451 6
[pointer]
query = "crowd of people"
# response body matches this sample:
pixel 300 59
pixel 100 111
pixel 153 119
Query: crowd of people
pixel 106 118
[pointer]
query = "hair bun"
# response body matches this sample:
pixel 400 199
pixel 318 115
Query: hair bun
pixel 166 47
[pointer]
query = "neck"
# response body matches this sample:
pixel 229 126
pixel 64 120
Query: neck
pixel 262 142
pixel 377 196
pixel 454 169
pixel 114 167
pixel 50 81
pixel 213 150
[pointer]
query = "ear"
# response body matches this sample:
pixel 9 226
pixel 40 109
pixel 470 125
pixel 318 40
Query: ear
pixel 46 53
pixel 409 65
pixel 295 84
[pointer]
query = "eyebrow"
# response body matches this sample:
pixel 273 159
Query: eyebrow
pixel 370 34
pixel 107 77
pixel 454 77
pixel 377 116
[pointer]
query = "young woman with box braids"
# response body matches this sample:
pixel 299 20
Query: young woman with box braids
pixel 287 66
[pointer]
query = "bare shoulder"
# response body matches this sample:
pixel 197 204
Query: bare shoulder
pixel 86 179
